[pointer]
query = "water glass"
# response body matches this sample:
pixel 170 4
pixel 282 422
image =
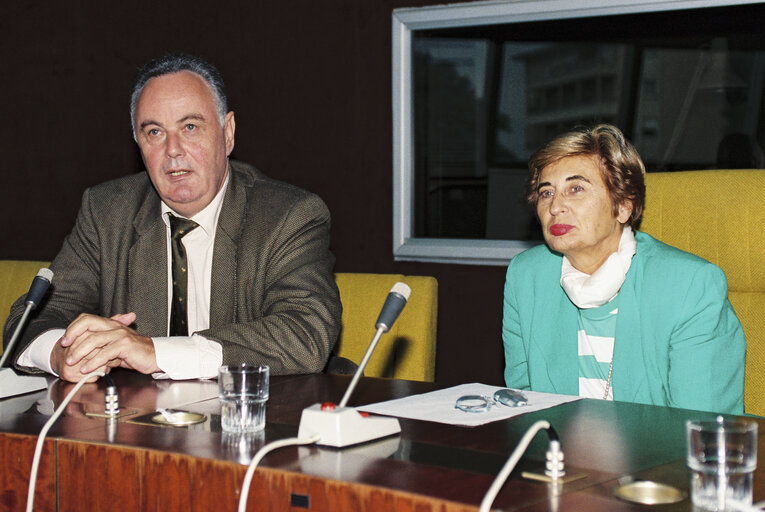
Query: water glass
pixel 243 392
pixel 722 457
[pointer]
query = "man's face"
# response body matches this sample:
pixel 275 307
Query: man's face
pixel 184 147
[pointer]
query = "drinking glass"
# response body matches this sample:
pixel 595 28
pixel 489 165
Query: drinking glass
pixel 722 456
pixel 243 392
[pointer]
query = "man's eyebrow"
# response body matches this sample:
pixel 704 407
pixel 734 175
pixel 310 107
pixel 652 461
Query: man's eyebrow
pixel 148 122
pixel 191 117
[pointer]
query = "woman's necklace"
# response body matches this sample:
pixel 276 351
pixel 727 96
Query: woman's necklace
pixel 608 382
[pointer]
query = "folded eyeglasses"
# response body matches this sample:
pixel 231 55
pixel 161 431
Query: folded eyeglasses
pixel 481 403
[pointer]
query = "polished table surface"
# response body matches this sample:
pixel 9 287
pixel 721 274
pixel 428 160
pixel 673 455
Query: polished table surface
pixel 133 464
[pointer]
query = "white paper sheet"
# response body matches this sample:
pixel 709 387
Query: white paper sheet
pixel 438 405
pixel 12 383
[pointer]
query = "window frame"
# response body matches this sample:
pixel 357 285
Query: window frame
pixel 407 247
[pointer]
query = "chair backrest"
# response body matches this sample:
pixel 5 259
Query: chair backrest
pixel 719 215
pixel 15 278
pixel 408 350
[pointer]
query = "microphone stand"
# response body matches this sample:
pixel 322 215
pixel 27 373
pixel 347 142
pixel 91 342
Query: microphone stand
pixel 16 333
pixel 11 383
pixel 362 365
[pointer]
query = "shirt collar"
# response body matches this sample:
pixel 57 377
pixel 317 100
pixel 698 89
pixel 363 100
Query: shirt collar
pixel 208 217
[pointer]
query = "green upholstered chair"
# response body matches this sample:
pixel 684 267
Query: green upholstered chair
pixel 408 350
pixel 720 215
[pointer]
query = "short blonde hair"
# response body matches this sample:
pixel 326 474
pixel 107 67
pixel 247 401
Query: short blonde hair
pixel 621 166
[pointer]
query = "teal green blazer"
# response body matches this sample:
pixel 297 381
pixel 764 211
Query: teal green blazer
pixel 678 341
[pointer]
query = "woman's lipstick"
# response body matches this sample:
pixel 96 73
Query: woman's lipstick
pixel 560 229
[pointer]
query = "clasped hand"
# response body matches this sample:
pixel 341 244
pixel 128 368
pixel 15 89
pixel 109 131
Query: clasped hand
pixel 93 343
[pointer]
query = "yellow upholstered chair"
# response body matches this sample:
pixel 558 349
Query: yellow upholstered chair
pixel 15 278
pixel 720 215
pixel 408 350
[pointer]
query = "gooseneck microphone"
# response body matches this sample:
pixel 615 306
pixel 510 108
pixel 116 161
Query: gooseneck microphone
pixel 35 294
pixel 392 307
pixel 337 425
pixel 340 426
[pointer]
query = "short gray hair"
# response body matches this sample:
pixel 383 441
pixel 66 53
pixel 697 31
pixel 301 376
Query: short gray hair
pixel 622 168
pixel 175 63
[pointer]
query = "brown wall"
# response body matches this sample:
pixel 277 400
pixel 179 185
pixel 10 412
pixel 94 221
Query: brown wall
pixel 310 83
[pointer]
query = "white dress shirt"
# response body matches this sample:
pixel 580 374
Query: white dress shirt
pixel 179 357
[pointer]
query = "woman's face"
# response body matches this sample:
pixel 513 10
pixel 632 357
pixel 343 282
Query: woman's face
pixel 575 210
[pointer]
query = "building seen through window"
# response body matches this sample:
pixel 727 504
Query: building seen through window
pixel 686 87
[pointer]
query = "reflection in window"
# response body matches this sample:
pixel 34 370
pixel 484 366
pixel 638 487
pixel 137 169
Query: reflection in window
pixel 482 105
pixel 451 103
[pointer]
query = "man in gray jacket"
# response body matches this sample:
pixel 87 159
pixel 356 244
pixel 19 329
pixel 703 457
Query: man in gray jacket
pixel 197 262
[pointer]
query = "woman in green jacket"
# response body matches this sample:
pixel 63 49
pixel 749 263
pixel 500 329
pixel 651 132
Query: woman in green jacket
pixel 605 311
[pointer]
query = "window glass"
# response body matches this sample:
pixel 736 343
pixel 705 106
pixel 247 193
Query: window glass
pixel 484 98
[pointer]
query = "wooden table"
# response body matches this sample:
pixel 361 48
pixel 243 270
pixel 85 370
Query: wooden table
pixel 90 463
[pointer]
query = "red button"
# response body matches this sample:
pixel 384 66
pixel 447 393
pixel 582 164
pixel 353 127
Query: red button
pixel 364 414
pixel 327 406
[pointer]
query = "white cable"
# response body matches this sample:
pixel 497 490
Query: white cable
pixel 44 431
pixel 296 441
pixel 520 449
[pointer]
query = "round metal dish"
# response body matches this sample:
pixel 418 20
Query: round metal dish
pixel 649 493
pixel 179 418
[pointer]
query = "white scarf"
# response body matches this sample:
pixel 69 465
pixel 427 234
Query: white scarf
pixel 592 291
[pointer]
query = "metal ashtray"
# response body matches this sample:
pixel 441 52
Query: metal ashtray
pixel 649 493
pixel 178 418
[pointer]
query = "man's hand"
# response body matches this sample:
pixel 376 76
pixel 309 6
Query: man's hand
pixel 96 343
pixel 73 373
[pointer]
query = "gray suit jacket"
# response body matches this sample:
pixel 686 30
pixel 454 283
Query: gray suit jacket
pixel 273 299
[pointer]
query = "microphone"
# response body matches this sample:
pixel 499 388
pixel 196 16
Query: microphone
pixel 343 426
pixel 393 306
pixel 39 286
pixel 11 383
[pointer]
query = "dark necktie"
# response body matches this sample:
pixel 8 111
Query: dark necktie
pixel 178 316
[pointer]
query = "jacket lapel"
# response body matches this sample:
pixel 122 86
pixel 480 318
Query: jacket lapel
pixel 561 356
pixel 147 264
pixel 223 288
pixel 629 365
pixel 552 347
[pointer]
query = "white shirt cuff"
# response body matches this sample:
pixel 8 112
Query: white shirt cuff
pixel 37 354
pixel 187 357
